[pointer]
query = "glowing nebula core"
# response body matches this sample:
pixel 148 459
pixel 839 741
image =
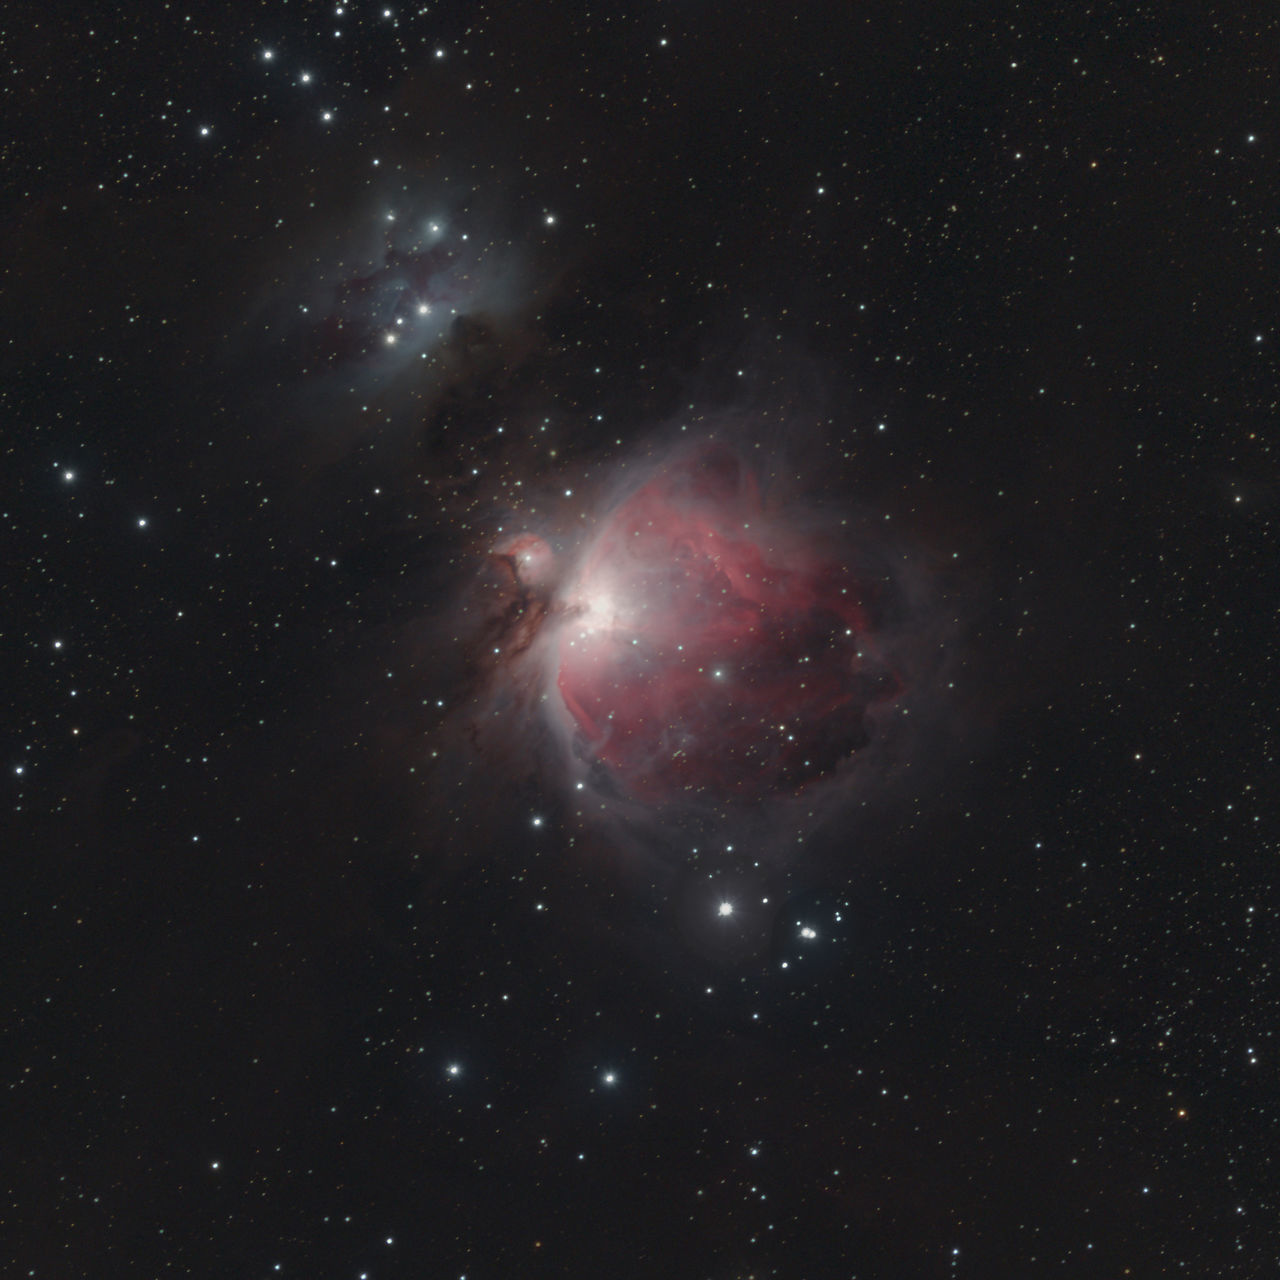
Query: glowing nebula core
pixel 711 647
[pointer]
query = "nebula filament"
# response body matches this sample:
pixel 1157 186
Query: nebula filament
pixel 711 649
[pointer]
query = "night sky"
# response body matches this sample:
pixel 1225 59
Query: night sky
pixel 639 641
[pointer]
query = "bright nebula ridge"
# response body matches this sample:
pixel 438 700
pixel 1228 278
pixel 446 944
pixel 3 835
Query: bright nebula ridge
pixel 711 649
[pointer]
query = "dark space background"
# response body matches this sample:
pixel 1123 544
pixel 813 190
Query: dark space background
pixel 304 974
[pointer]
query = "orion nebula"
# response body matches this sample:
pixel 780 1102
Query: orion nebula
pixel 708 649
pixel 712 644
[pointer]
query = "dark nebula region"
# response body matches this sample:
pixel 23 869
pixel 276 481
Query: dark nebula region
pixel 709 646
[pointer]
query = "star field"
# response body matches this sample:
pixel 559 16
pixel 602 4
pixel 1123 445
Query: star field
pixel 639 640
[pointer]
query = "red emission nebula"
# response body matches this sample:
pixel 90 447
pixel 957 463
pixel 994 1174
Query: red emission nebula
pixel 709 647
